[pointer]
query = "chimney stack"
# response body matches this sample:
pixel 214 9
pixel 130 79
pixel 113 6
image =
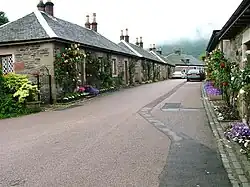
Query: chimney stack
pixel 154 48
pixel 87 23
pixel 141 42
pixel 150 48
pixel 122 36
pixel 41 6
pixel 94 23
pixel 49 8
pixel 127 36
pixel 137 42
pixel 159 51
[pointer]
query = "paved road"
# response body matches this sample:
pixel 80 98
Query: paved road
pixel 192 159
pixel 112 140
pixel 103 143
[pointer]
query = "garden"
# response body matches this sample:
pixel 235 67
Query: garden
pixel 16 95
pixel 228 88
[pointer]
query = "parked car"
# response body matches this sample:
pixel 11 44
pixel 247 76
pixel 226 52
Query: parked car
pixel 179 75
pixel 194 74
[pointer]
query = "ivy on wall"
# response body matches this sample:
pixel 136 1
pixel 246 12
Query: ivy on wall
pixel 99 71
pixel 131 69
pixel 147 70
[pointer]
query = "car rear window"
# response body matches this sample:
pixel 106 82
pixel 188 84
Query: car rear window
pixel 193 71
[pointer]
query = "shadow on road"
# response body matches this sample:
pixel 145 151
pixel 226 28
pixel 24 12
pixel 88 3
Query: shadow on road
pixel 192 164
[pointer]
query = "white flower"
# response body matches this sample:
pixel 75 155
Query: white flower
pixel 242 91
pixel 220 118
pixel 69 48
pixel 242 151
pixel 78 49
pixel 76 46
pixel 246 143
pixel 232 78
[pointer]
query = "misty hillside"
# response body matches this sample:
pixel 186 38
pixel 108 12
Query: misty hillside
pixel 191 47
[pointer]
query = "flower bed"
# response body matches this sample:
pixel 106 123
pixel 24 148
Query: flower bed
pixel 212 92
pixel 239 132
pixel 223 111
pixel 104 90
pixel 72 97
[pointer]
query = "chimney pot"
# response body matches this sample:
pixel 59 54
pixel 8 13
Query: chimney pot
pixel 127 36
pixel 141 43
pixel 41 6
pixel 151 47
pixel 154 47
pixel 159 50
pixel 49 8
pixel 137 41
pixel 94 23
pixel 87 23
pixel 122 36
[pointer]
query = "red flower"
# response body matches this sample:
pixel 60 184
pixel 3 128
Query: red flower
pixel 222 64
pixel 225 83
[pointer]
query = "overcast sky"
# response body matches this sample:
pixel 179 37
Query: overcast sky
pixel 157 21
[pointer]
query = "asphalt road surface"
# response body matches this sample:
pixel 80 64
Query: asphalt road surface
pixel 113 140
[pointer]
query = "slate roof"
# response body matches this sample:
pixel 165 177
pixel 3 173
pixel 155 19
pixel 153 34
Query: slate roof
pixel 25 28
pixel 140 52
pixel 176 59
pixel 39 25
pixel 163 58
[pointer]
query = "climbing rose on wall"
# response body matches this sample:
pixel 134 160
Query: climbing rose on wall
pixel 66 67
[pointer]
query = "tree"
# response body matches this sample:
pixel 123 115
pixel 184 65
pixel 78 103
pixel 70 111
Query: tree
pixel 3 18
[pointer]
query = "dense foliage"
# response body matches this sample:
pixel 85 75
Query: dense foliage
pixel 234 83
pixel 67 64
pixel 15 93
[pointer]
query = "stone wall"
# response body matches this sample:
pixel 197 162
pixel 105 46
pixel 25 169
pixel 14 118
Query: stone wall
pixel 31 59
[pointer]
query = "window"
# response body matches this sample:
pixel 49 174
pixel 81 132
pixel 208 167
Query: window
pixel 7 64
pixel 114 67
pixel 101 63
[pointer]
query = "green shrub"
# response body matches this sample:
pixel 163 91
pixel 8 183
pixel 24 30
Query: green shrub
pixel 20 87
pixel 15 91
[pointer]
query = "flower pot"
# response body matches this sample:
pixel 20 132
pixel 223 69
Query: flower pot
pixel 214 97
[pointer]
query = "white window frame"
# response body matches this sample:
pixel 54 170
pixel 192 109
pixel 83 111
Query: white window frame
pixel 13 62
pixel 114 67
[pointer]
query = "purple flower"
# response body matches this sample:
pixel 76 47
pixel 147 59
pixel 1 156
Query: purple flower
pixel 239 132
pixel 211 90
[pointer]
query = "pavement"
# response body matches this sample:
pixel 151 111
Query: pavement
pixel 123 139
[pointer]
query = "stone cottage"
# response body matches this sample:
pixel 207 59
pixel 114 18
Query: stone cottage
pixel 183 62
pixel 30 44
pixel 169 69
pixel 146 60
pixel 234 37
